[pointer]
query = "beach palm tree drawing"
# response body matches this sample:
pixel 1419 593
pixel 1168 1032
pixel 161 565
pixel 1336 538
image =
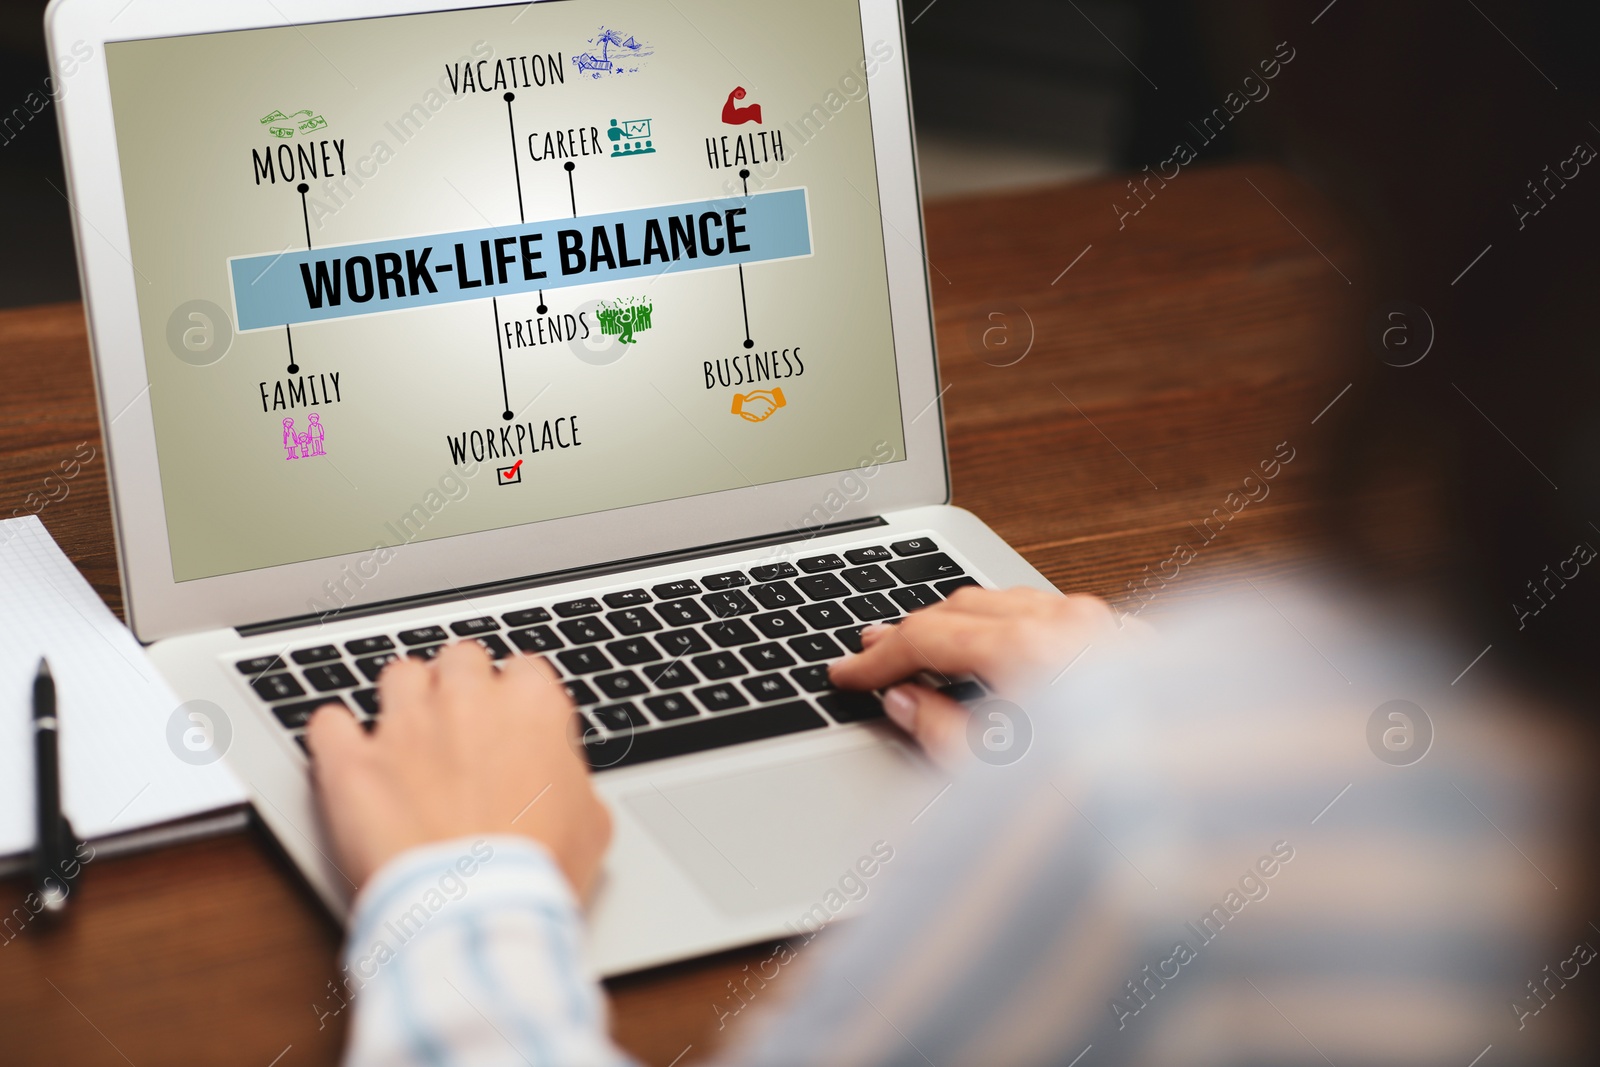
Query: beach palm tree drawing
pixel 628 51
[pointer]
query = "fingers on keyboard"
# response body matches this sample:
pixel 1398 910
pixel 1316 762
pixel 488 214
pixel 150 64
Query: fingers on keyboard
pixel 731 656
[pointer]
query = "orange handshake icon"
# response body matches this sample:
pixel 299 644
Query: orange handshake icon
pixel 759 405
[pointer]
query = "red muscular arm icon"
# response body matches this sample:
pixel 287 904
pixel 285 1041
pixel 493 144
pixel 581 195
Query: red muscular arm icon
pixel 734 115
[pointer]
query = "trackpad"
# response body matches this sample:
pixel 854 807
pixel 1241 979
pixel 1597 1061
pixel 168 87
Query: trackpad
pixel 783 836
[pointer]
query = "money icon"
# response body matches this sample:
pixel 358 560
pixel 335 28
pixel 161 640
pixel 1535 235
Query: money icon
pixel 311 122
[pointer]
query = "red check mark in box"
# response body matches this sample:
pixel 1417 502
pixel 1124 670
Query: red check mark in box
pixel 511 475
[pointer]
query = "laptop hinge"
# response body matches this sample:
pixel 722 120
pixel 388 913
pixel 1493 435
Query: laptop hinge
pixel 534 581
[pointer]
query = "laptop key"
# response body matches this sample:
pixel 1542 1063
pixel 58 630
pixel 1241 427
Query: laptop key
pixel 633 651
pixel 670 706
pixel 585 631
pixel 260 665
pixel 725 580
pixel 367 700
pixel 825 616
pixel 621 684
pixel 535 639
pixel 627 598
pixel 964 691
pixel 778 624
pixel 769 687
pixel 320 654
pixel 568 609
pixel 620 716
pixel 721 698
pixel 730 632
pixel 814 647
pixel 813 678
pixel 772 572
pixel 631 621
pixel 767 657
pixel 727 605
pixel 925 568
pixel 700 735
pixel 851 707
pixel 682 612
pixel 868 579
pixel 327 677
pixel 526 617
pixel 584 660
pixel 670 675
pixel 829 562
pixel 366 646
pixel 950 585
pixel 718 665
pixel 424 635
pixel 915 546
pixel 862 556
pixel 823 587
pixel 425 652
pixel 676 590
pixel 271 687
pixel 912 597
pixel 679 643
pixel 776 595
pixel 850 637
pixel 494 645
pixel 872 607
pixel 580 692
pixel 298 714
pixel 473 627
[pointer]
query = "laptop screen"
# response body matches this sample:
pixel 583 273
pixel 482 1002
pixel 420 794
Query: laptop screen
pixel 419 276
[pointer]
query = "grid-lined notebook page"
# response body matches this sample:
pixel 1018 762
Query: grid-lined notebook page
pixel 119 771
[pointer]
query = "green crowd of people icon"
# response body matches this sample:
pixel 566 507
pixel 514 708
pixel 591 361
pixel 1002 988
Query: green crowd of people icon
pixel 625 319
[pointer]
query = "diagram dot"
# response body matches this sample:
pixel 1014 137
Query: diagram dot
pixel 570 165
pixel 542 309
pixel 294 368
pixel 507 416
pixel 510 97
pixel 302 187
pixel 749 343
pixel 744 172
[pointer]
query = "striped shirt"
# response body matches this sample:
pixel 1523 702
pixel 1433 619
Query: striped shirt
pixel 1215 846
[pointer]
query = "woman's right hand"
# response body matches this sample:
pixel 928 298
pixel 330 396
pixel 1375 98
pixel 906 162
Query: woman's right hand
pixel 1014 639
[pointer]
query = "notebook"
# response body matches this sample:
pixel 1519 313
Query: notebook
pixel 137 768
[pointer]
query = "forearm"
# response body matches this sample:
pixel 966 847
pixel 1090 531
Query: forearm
pixel 469 952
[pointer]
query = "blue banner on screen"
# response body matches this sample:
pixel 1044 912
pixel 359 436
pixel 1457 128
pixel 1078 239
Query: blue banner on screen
pixel 276 288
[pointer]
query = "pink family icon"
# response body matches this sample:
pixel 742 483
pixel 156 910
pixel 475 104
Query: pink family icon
pixel 302 444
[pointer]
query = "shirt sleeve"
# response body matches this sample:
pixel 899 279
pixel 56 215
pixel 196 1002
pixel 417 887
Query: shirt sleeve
pixel 468 952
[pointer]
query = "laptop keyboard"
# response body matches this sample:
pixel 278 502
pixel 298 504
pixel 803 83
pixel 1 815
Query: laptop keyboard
pixel 681 666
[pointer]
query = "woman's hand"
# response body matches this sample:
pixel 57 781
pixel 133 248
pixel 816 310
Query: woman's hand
pixel 1014 639
pixel 460 749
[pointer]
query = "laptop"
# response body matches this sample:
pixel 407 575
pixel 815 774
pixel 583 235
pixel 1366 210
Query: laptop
pixel 594 329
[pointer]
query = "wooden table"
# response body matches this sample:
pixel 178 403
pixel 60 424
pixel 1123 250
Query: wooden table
pixel 1105 388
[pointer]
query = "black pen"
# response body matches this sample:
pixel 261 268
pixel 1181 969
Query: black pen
pixel 52 854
